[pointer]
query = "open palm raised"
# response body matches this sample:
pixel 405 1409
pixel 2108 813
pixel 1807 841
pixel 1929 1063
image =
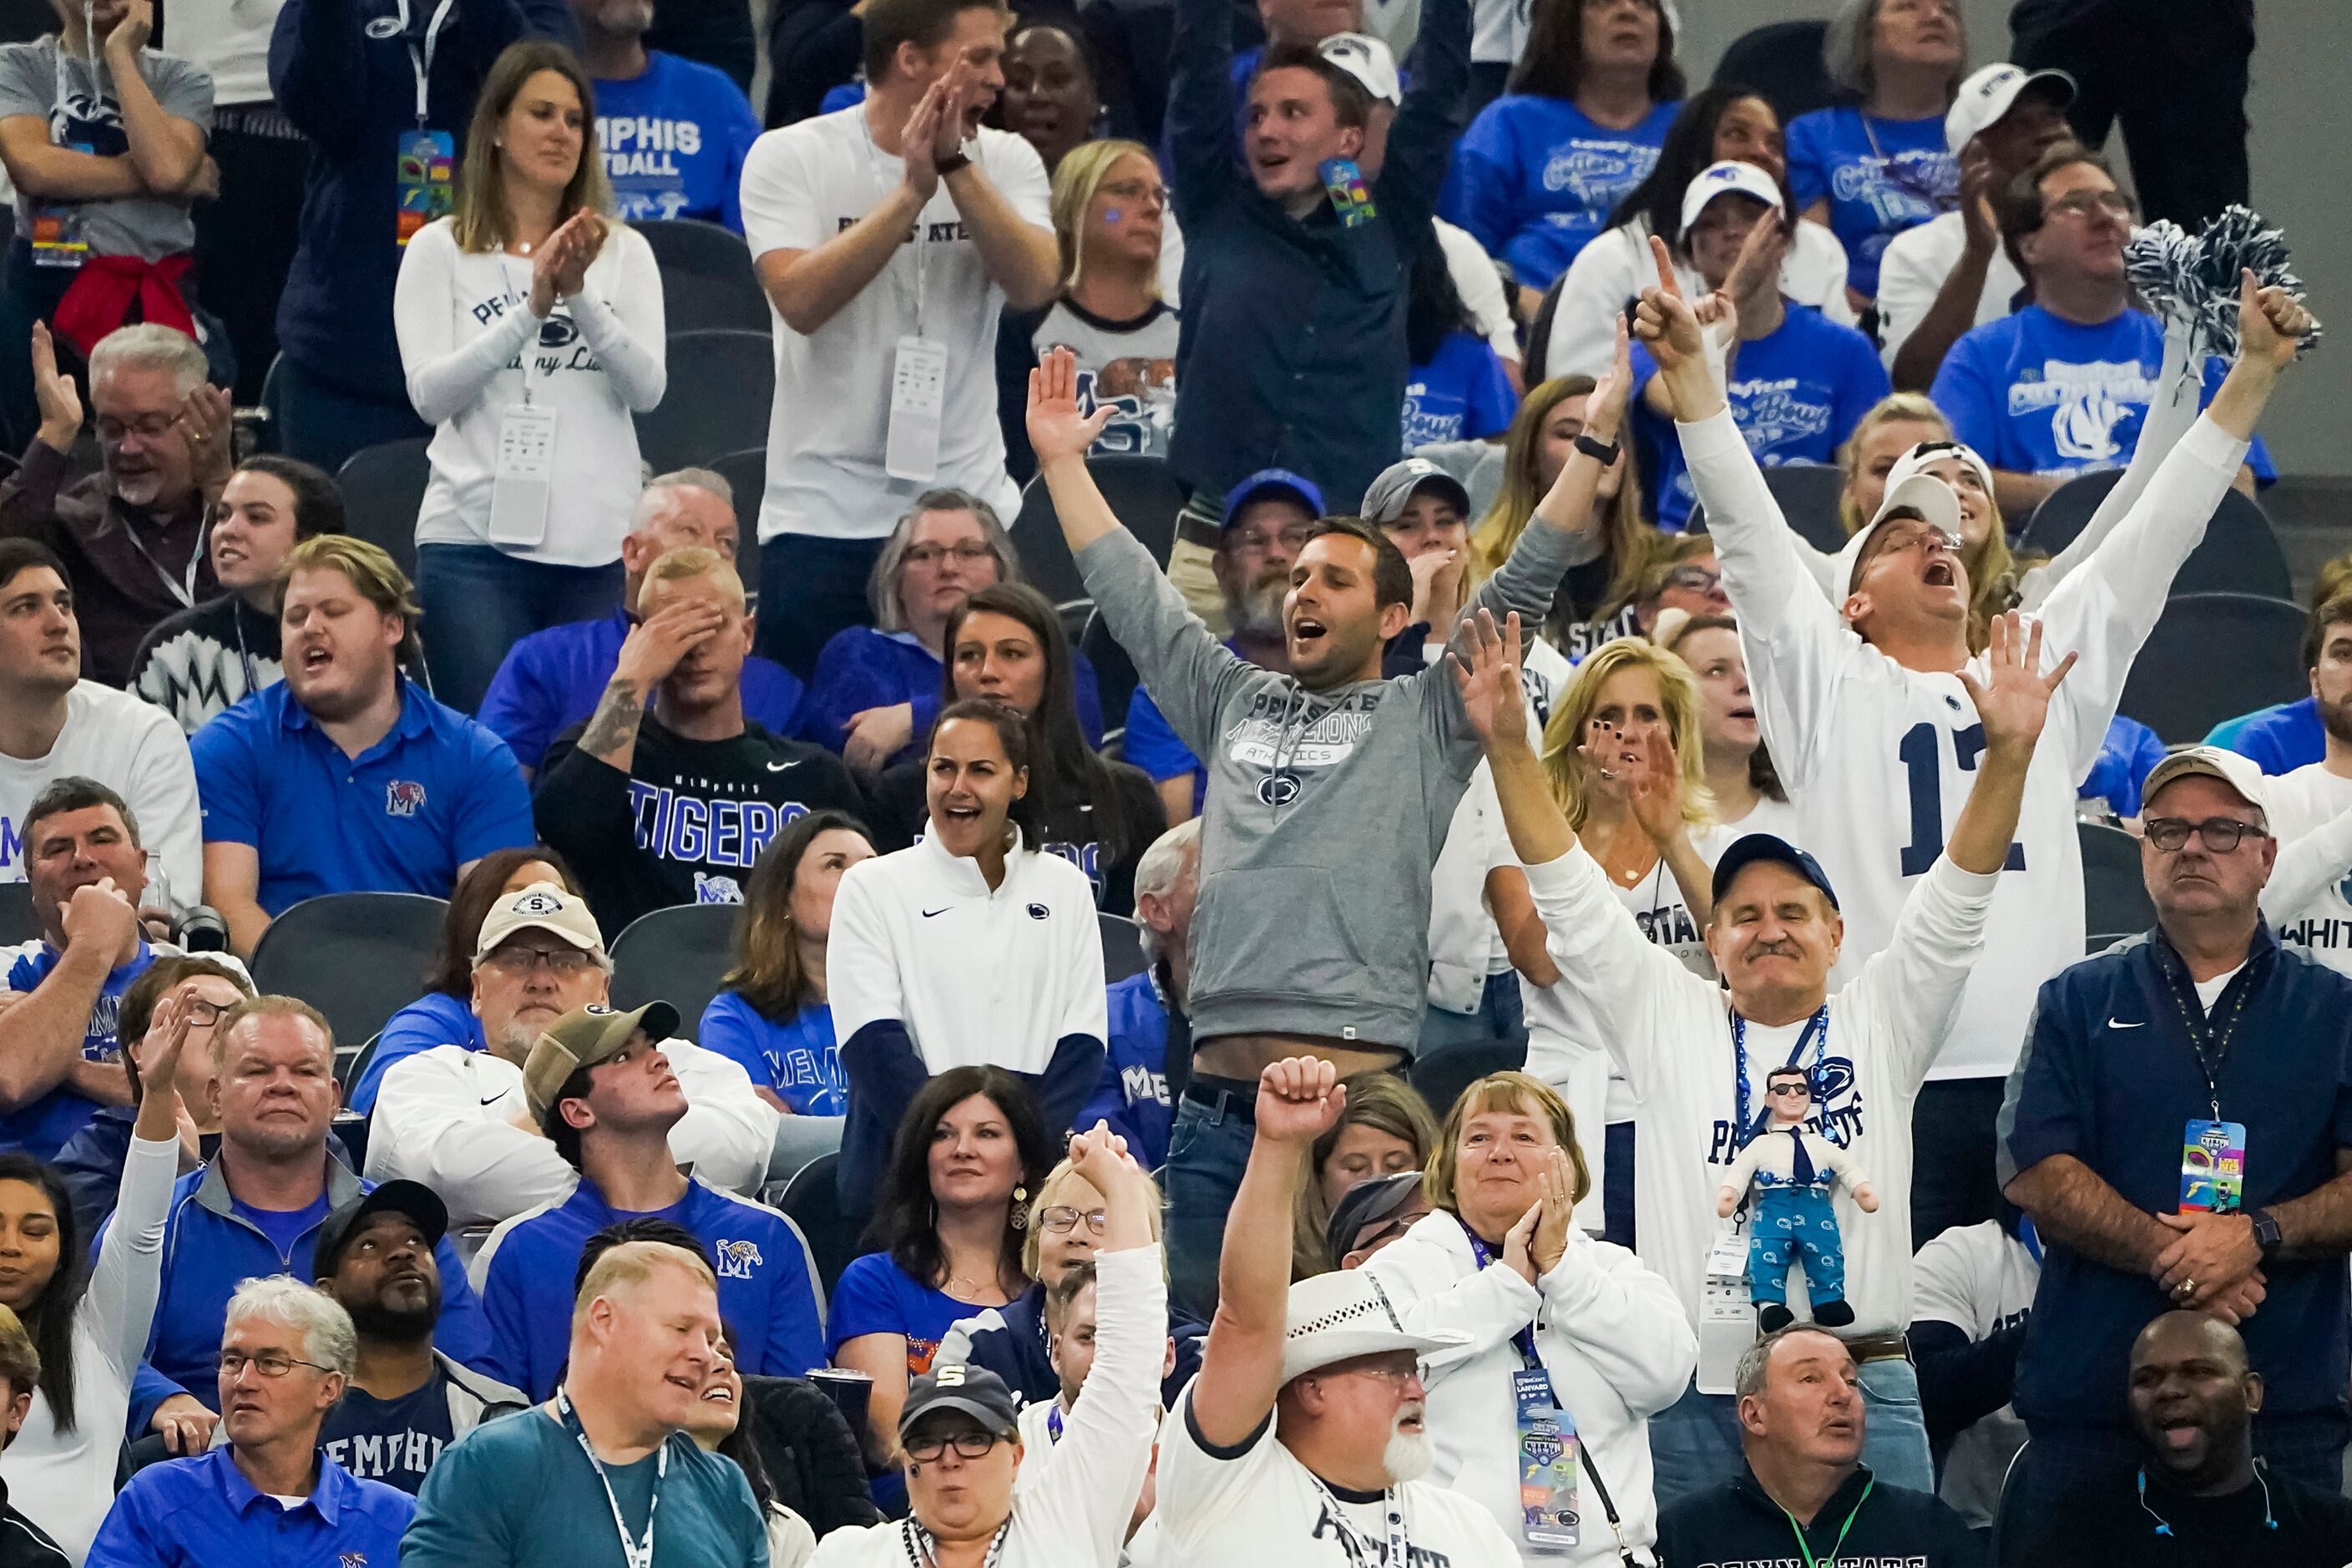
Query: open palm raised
pixel 2013 698
pixel 1057 428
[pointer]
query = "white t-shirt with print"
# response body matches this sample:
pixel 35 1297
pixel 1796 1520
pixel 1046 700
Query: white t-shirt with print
pixel 2310 810
pixel 831 419
pixel 136 750
pixel 1980 1280
pixel 1256 1503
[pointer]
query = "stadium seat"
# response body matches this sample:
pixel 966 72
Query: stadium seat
pixel 358 958
pixel 2214 657
pixel 2239 553
pixel 1115 676
pixel 1782 60
pixel 811 1200
pixel 1143 495
pixel 2114 898
pixel 708 279
pixel 721 384
pixel 1444 1074
pixel 17 922
pixel 680 955
pixel 1122 943
pixel 383 489
pixel 746 473
pixel 2005 1548
pixel 1808 494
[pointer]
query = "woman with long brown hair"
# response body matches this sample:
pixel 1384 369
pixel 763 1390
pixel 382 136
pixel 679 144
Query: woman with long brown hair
pixel 529 320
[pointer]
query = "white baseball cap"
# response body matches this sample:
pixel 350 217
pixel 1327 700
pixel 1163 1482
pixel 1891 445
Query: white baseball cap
pixel 1928 496
pixel 1337 1316
pixel 1989 94
pixel 1721 179
pixel 2242 773
pixel 1369 60
pixel 541 905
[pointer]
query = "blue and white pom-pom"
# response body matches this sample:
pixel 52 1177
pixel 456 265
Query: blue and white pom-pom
pixel 2195 280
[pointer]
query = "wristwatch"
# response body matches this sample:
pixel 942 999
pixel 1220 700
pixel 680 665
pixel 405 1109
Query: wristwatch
pixel 961 160
pixel 2266 1232
pixel 1601 452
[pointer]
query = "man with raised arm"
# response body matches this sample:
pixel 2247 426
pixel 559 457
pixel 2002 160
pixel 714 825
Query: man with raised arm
pixel 1301 1442
pixel 1861 696
pixel 1330 792
pixel 1704 1073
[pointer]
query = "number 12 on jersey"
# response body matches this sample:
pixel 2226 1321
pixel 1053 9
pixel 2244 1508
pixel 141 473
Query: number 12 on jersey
pixel 1921 764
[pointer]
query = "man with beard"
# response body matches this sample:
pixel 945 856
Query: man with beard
pixel 347 777
pixel 405 1401
pixel 2309 897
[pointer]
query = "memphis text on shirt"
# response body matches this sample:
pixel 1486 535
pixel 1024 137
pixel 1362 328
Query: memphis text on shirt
pixel 946 231
pixel 1837 1114
pixel 375 1456
pixel 641 144
pixel 674 826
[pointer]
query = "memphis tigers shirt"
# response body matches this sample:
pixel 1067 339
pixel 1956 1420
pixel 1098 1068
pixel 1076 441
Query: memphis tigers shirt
pixel 686 824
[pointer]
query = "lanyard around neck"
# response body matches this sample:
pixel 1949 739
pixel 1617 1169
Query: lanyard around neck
pixel 1806 1547
pixel 2209 1046
pixel 420 60
pixel 635 1553
pixel 917 1542
pixel 1400 1546
pixel 1816 1034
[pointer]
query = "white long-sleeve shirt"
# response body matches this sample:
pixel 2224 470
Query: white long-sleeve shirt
pixel 2309 896
pixel 64 1481
pixel 1670 1034
pixel 1878 759
pixel 471 348
pixel 135 750
pixel 1605 1329
pixel 447 1118
pixel 1073 1512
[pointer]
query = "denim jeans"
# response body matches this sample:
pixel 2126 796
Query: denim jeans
pixel 480 602
pixel 809 589
pixel 323 422
pixel 1501 1015
pixel 1617 1197
pixel 1208 1148
pixel 1695 1442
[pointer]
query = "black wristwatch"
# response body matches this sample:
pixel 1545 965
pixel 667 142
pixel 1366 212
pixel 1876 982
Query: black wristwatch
pixel 2266 1232
pixel 956 164
pixel 1601 452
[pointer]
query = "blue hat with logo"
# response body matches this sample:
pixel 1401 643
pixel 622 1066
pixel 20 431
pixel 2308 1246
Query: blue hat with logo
pixel 1269 482
pixel 1756 846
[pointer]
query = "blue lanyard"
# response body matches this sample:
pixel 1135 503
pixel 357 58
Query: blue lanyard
pixel 1524 1341
pixel 1816 1032
pixel 1053 1421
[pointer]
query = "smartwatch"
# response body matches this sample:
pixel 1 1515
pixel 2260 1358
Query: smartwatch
pixel 1602 452
pixel 956 164
pixel 2266 1232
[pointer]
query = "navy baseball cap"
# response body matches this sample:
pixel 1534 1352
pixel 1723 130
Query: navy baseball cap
pixel 1756 846
pixel 972 1390
pixel 1273 482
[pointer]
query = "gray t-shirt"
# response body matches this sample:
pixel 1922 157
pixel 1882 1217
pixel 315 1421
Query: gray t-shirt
pixel 41 78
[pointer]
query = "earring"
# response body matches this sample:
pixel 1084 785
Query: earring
pixel 1021 1208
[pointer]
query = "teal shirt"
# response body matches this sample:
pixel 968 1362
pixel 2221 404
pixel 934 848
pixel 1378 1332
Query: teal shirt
pixel 519 1493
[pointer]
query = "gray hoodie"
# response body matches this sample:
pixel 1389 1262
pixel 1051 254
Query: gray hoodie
pixel 1325 810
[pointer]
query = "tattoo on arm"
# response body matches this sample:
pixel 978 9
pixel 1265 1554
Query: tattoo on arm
pixel 612 732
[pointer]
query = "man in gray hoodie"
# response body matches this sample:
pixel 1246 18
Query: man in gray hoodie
pixel 1330 792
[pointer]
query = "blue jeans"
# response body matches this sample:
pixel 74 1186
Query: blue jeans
pixel 323 423
pixel 1501 1015
pixel 1208 1148
pixel 480 602
pixel 811 588
pixel 1694 1441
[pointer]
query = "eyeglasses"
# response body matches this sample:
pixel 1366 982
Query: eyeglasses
pixel 204 1014
pixel 554 959
pixel 932 554
pixel 1693 579
pixel 1927 539
pixel 2221 834
pixel 2083 204
pixel 1135 190
pixel 1293 538
pixel 1061 1219
pixel 268 1363
pixel 1394 1373
pixel 967 1444
pixel 153 428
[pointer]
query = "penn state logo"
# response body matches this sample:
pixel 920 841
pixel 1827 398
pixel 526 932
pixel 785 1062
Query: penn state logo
pixel 558 331
pixel 535 903
pixel 738 1258
pixel 401 798
pixel 597 1010
pixel 381 28
pixel 1039 912
pixel 1277 789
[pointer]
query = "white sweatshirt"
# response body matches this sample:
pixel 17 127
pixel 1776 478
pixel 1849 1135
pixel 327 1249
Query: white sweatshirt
pixel 2309 896
pixel 1670 1034
pixel 471 347
pixel 64 1481
pixel 1607 1333
pixel 447 1118
pixel 1073 1512
pixel 1878 759
pixel 135 750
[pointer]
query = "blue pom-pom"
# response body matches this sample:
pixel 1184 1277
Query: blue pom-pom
pixel 2196 279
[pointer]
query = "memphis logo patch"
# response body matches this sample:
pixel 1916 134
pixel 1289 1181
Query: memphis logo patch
pixel 403 798
pixel 738 1258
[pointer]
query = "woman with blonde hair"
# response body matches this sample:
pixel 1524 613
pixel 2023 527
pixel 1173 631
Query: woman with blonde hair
pixel 1111 217
pixel 1387 1127
pixel 529 323
pixel 1501 1259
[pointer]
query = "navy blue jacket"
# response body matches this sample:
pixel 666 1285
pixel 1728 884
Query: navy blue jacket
pixel 1010 1340
pixel 1307 316
pixel 2109 1075
pixel 340 70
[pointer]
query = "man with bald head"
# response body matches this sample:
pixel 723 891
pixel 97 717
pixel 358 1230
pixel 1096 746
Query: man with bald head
pixel 551 680
pixel 2196 1488
pixel 2179 1127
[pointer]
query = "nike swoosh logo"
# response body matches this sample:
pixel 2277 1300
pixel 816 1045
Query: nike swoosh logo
pixel 779 767
pixel 494 1100
pixel 2113 1022
pixel 940 910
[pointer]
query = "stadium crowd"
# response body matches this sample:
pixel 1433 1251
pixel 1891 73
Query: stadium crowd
pixel 1422 825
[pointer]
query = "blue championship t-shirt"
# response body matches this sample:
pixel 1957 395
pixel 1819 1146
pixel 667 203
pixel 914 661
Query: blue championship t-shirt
pixel 1534 179
pixel 1460 395
pixel 673 139
pixel 1881 178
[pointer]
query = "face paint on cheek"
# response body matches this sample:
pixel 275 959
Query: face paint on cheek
pixel 1111 216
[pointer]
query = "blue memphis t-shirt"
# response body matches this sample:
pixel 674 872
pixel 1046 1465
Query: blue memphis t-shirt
pixel 1460 395
pixel 673 139
pixel 1881 176
pixel 45 1125
pixel 1796 395
pixel 1534 179
pixel 798 1060
pixel 2037 395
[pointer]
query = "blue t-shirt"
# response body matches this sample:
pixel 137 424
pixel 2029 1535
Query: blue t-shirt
pixel 2037 395
pixel 861 667
pixel 432 1019
pixel 876 1296
pixel 673 139
pixel 1534 180
pixel 284 1227
pixel 436 792
pixel 394 1441
pixel 45 1126
pixel 1133 1094
pixel 1795 396
pixel 1460 395
pixel 1881 178
pixel 798 1059
pixel 2280 739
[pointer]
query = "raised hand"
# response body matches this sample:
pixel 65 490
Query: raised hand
pixel 1610 759
pixel 99 914
pixel 131 34
pixel 1485 662
pixel 918 142
pixel 1519 1255
pixel 159 1064
pixel 582 240
pixel 204 423
pixel 2270 324
pixel 1604 410
pixel 1665 321
pixel 2013 699
pixel 966 91
pixel 1299 1099
pixel 1056 429
pixel 60 404
pixel 656 645
pixel 1758 265
pixel 1653 788
pixel 1980 177
pixel 1557 1182
pixel 1437 589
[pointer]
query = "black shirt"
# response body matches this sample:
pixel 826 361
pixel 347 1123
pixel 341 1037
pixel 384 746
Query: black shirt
pixel 2103 1524
pixel 203 660
pixel 1067 824
pixel 1737 1525
pixel 686 824
pixel 23 1543
pixel 393 1441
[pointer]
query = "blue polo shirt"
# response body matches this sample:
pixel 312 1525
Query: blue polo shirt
pixel 2110 1077
pixel 46 1125
pixel 767 1283
pixel 202 1512
pixel 435 793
